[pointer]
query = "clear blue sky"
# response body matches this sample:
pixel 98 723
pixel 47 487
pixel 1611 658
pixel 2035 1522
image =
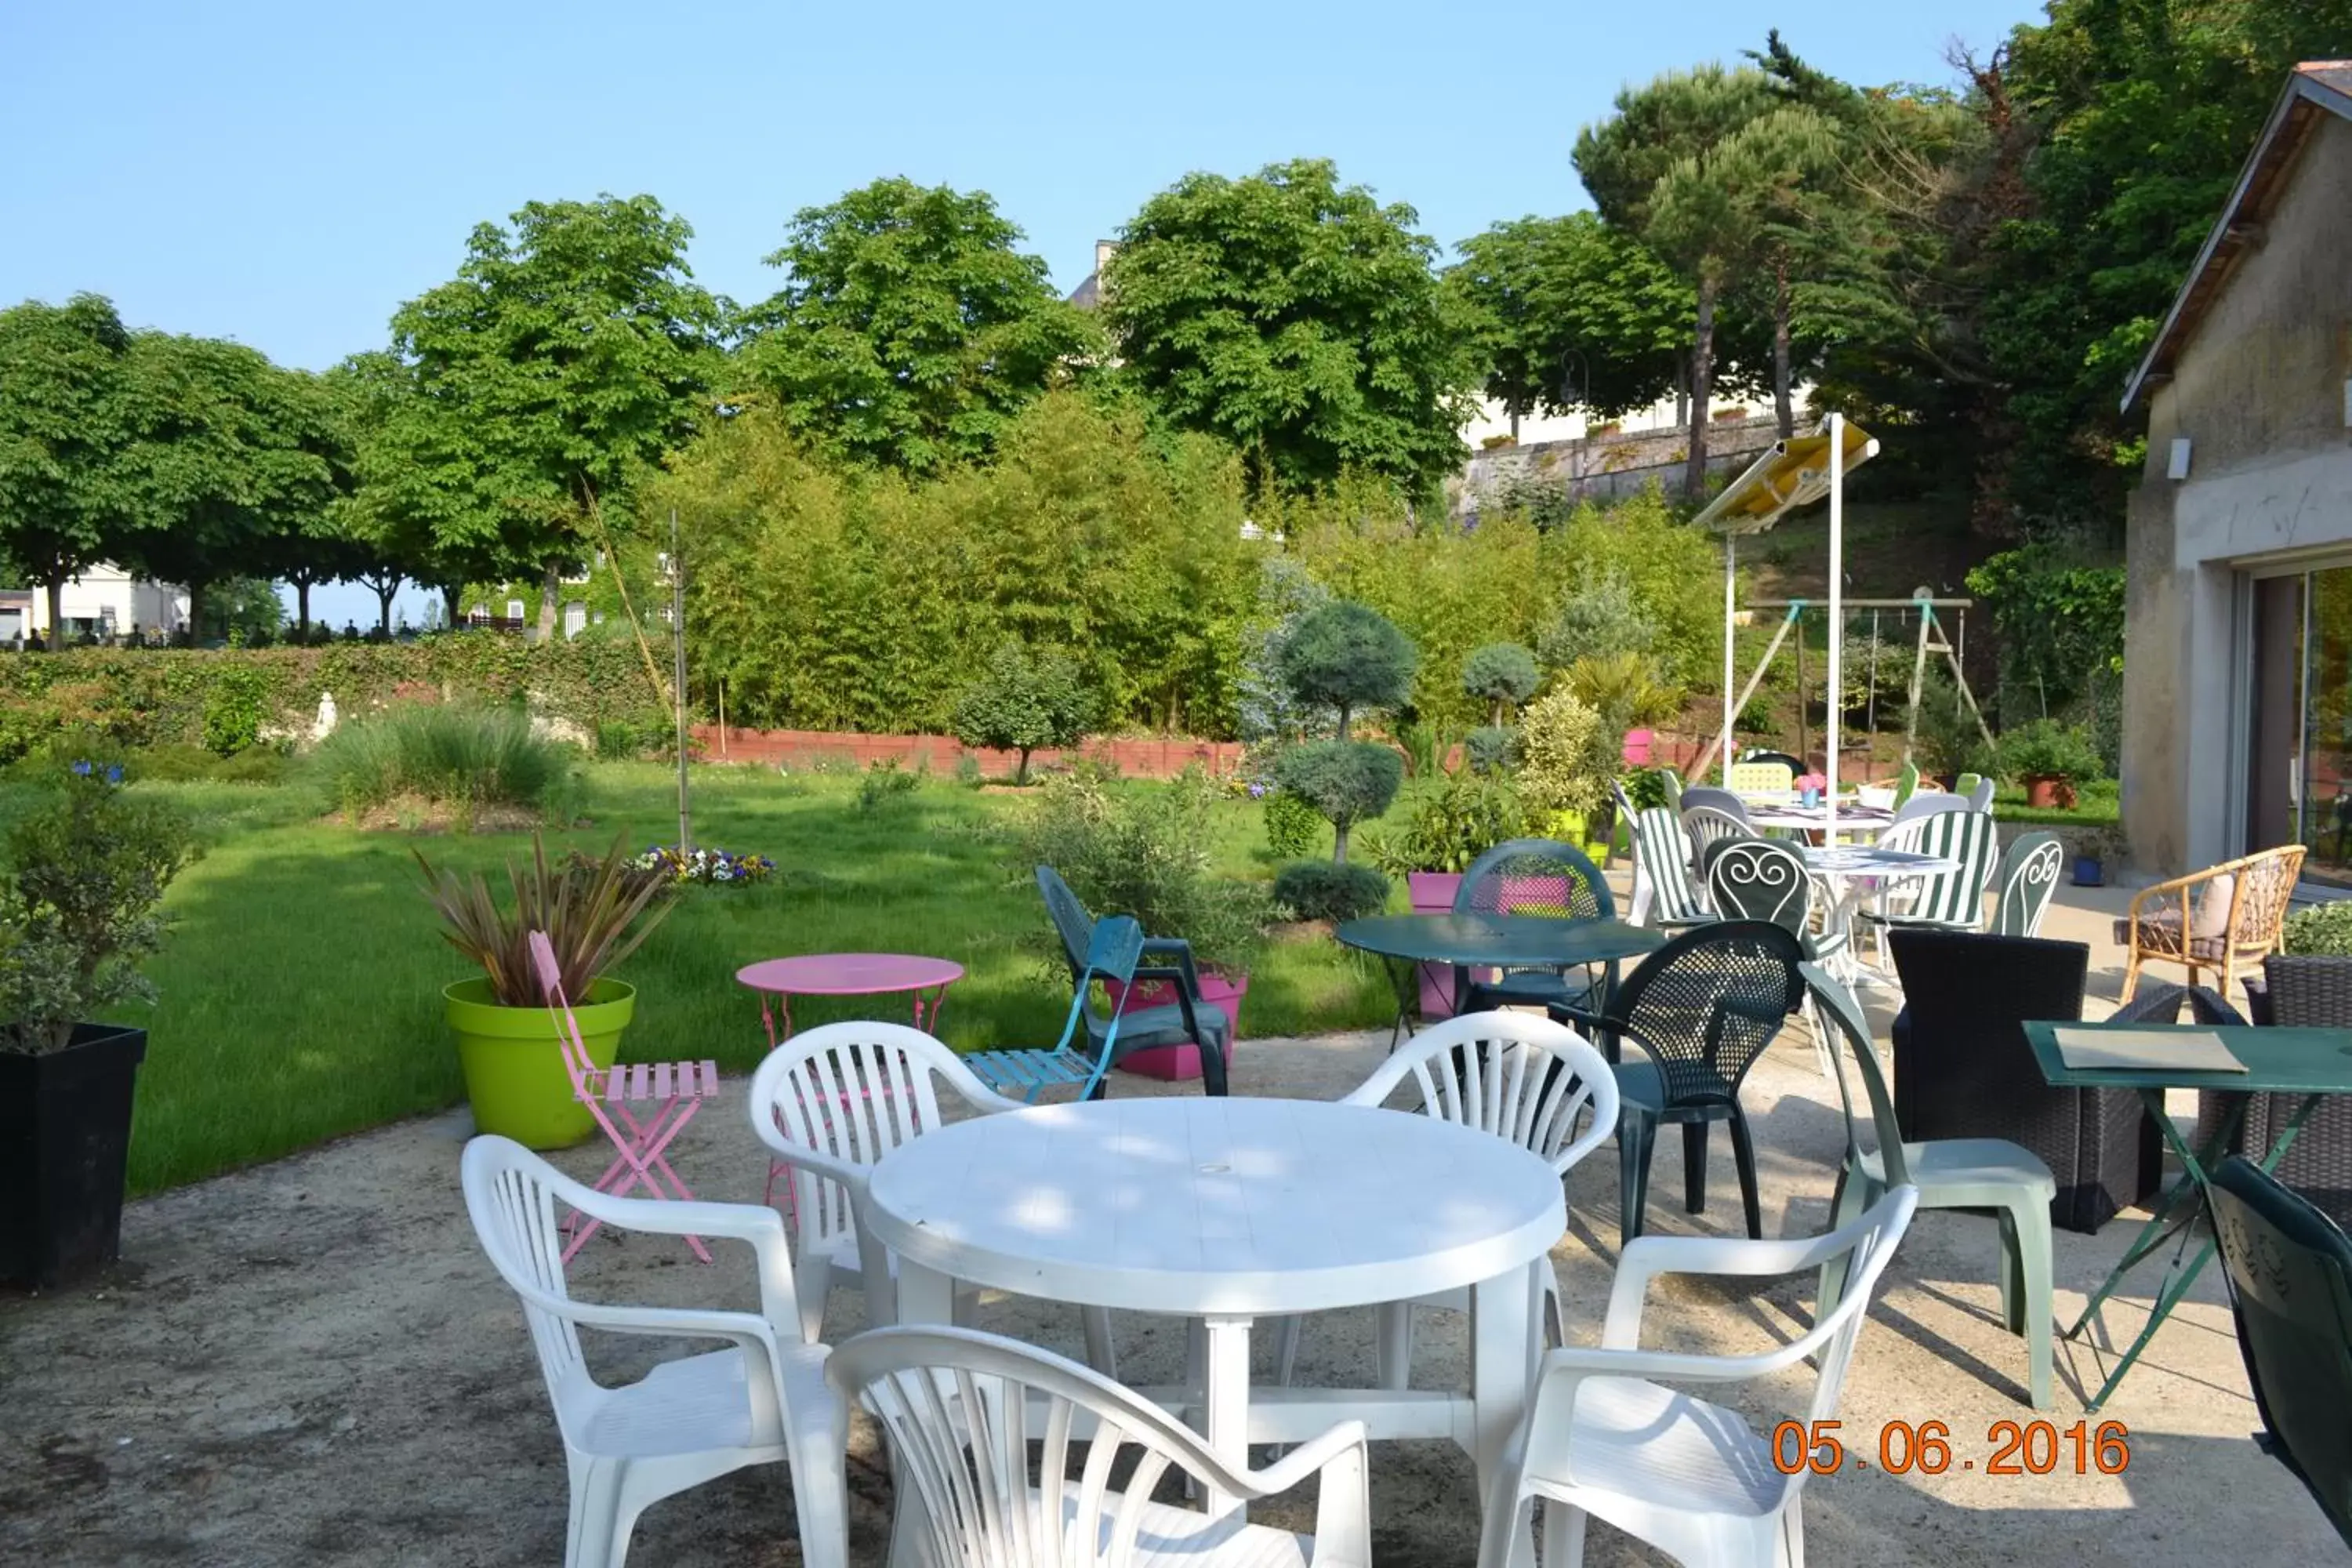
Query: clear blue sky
pixel 286 174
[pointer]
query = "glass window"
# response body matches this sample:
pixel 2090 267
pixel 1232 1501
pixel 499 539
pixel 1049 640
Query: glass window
pixel 2302 732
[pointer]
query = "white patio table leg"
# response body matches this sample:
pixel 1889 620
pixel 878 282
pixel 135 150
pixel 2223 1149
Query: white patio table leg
pixel 925 1295
pixel 1226 1428
pixel 1503 1352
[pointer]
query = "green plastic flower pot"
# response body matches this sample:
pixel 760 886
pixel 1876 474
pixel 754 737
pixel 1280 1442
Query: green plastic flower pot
pixel 514 1069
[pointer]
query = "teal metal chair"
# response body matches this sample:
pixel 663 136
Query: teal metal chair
pixel 1189 1019
pixel 2290 1269
pixel 1542 878
pixel 1112 950
pixel 1976 1173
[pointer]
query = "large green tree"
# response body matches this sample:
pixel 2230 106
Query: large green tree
pixel 65 499
pixel 571 352
pixel 911 326
pixel 1570 312
pixel 1658 168
pixel 1296 317
pixel 229 455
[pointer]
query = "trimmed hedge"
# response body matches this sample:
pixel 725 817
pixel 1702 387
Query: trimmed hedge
pixel 196 696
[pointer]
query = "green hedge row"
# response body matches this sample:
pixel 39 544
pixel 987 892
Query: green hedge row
pixel 224 698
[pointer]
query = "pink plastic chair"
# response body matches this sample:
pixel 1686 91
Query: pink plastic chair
pixel 675 1089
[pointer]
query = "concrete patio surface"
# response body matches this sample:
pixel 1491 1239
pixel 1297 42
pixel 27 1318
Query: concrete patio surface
pixel 311 1362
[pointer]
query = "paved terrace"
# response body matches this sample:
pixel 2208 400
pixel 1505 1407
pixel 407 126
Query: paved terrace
pixel 310 1363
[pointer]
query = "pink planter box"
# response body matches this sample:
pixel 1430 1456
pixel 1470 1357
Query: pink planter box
pixel 1180 1063
pixel 1433 894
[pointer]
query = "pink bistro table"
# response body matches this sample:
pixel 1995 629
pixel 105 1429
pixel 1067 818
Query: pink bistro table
pixel 843 975
pixel 848 975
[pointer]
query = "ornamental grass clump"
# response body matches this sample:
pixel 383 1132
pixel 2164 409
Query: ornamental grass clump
pixel 446 755
pixel 80 903
pixel 595 913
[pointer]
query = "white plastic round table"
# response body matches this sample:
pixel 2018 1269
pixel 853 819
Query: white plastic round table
pixel 1230 1209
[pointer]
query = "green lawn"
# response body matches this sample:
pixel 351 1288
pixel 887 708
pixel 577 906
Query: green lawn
pixel 301 986
pixel 2096 804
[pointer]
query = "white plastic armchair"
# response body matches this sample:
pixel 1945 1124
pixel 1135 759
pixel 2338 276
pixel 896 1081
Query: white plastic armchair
pixel 960 1409
pixel 690 1420
pixel 1604 1438
pixel 1520 1076
pixel 830 1103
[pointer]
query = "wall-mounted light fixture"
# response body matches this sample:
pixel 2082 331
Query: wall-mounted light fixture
pixel 2177 466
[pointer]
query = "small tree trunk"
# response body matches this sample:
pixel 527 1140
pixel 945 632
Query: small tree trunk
pixel 1339 843
pixel 57 588
pixel 1021 772
pixel 196 613
pixel 1702 387
pixel 551 588
pixel 1782 405
pixel 1682 394
pixel 1343 721
pixel 303 609
pixel 385 593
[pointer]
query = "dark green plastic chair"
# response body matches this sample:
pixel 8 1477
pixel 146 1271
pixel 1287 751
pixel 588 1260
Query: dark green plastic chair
pixel 2290 1272
pixel 1535 876
pixel 1188 1020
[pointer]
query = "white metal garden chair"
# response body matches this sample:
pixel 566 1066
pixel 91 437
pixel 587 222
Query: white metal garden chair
pixel 1605 1437
pixel 1520 1076
pixel 960 1409
pixel 830 1103
pixel 690 1420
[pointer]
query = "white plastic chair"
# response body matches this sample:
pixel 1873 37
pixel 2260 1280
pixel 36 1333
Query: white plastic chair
pixel 690 1420
pixel 830 1103
pixel 1520 1076
pixel 1979 1174
pixel 960 1409
pixel 1693 1478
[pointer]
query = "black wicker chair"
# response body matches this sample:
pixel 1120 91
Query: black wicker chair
pixel 2290 1272
pixel 2307 992
pixel 1963 1069
pixel 1701 1009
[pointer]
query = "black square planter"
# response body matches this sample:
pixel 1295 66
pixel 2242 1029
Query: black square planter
pixel 65 1133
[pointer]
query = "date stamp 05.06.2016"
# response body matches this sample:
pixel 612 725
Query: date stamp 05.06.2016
pixel 2011 1449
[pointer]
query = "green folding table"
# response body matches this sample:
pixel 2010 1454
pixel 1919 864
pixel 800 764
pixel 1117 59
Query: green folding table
pixel 1490 942
pixel 2312 1063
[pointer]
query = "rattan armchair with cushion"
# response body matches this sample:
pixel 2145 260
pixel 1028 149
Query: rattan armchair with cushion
pixel 2225 918
pixel 1963 1069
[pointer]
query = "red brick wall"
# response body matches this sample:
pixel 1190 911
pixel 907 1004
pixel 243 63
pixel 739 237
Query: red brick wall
pixel 1151 758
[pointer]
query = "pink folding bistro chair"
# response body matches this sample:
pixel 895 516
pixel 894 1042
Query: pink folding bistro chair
pixel 675 1091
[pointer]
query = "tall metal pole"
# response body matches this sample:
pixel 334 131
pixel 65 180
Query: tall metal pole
pixel 1730 608
pixel 1837 618
pixel 678 651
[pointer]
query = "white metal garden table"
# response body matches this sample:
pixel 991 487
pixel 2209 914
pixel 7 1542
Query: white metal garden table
pixel 1228 1210
pixel 1853 871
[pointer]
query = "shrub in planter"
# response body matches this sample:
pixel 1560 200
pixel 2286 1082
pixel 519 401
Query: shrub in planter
pixel 1448 828
pixel 1329 890
pixel 87 869
pixel 2051 759
pixel 2320 930
pixel 596 913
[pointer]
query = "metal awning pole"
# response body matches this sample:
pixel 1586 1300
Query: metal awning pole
pixel 1837 616
pixel 1730 608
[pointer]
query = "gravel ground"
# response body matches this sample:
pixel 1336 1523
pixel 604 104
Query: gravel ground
pixel 310 1363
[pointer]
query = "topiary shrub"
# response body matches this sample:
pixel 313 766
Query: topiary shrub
pixel 1565 769
pixel 1347 780
pixel 1491 750
pixel 1326 890
pixel 1348 657
pixel 234 710
pixel 1024 699
pixel 1503 675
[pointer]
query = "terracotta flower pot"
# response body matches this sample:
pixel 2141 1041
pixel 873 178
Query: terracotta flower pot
pixel 2046 792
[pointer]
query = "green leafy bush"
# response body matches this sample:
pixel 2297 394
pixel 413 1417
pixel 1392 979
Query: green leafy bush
pixel 183 765
pixel 1347 780
pixel 1292 825
pixel 2323 929
pixel 2047 749
pixel 234 710
pixel 1023 701
pixel 1599 617
pixel 446 755
pixel 885 782
pixel 1348 657
pixel 1502 674
pixel 1449 828
pixel 1145 852
pixel 1566 767
pixel 1326 890
pixel 86 871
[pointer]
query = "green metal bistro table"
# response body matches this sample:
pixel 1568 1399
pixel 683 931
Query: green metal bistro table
pixel 2313 1063
pixel 1490 942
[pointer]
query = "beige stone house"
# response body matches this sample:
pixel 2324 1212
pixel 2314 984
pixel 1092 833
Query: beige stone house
pixel 2238 632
